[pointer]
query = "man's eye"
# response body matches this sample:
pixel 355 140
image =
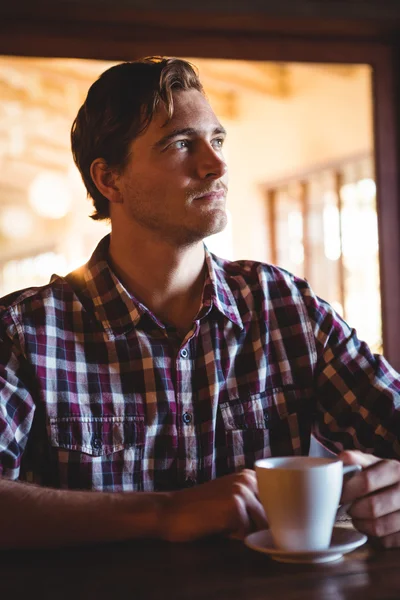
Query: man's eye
pixel 218 143
pixel 180 144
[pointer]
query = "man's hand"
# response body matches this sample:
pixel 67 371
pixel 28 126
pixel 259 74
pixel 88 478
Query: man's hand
pixel 228 505
pixel 374 496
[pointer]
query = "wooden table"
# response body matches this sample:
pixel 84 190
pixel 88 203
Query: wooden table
pixel 214 569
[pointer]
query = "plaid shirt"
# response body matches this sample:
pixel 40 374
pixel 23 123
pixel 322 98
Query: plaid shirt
pixel 97 393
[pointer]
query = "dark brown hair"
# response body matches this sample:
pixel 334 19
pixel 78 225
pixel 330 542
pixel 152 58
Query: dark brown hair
pixel 120 106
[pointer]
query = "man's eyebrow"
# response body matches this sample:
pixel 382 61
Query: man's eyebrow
pixel 188 131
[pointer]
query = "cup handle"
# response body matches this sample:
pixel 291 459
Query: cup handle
pixel 341 514
pixel 351 469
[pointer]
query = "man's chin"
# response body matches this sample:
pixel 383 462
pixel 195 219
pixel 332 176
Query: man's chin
pixel 194 233
pixel 217 224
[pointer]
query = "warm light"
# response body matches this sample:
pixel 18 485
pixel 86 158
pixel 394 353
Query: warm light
pixel 331 224
pixel 295 233
pixel 15 222
pixel 338 307
pixel 31 271
pixel 296 253
pixel 50 196
pixel 366 188
pixel 17 141
pixel 348 193
pixel 48 263
pixel 295 225
pixel 359 233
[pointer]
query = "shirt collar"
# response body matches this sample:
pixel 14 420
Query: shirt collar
pixel 118 311
pixel 217 291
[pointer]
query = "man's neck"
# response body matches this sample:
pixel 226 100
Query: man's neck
pixel 167 280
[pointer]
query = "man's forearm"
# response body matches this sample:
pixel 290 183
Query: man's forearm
pixel 32 516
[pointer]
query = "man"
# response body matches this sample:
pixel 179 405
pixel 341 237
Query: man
pixel 157 374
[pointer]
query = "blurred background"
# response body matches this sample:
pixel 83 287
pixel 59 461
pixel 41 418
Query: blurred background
pixel 300 155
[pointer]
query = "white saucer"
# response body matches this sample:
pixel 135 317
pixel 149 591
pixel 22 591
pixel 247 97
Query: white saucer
pixel 343 541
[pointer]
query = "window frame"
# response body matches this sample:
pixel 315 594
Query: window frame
pixel 132 34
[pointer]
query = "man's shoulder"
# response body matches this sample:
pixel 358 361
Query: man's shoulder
pixel 31 298
pixel 259 273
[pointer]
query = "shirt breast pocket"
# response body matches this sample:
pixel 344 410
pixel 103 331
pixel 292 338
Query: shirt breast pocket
pixel 276 422
pixel 103 453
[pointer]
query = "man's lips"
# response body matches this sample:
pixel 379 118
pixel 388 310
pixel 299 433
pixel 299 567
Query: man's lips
pixel 208 197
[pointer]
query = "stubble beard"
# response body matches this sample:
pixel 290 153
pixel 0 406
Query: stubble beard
pixel 188 232
pixel 184 235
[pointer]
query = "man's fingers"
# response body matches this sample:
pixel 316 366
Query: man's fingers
pixel 389 525
pixel 249 478
pixel 250 513
pixel 242 525
pixel 356 457
pixel 256 513
pixel 376 505
pixel 388 541
pixel 378 475
pixel 255 509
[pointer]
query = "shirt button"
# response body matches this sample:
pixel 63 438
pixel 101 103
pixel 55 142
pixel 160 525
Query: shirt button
pixel 97 443
pixel 184 353
pixel 187 418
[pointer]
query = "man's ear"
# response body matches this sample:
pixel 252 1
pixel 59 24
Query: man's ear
pixel 106 180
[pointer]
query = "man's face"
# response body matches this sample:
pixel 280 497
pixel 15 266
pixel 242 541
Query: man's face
pixel 175 182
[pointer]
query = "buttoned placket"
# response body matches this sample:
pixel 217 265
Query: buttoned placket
pixel 185 361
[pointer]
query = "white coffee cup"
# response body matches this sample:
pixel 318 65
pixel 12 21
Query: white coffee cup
pixel 300 496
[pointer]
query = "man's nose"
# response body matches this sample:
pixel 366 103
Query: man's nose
pixel 211 165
